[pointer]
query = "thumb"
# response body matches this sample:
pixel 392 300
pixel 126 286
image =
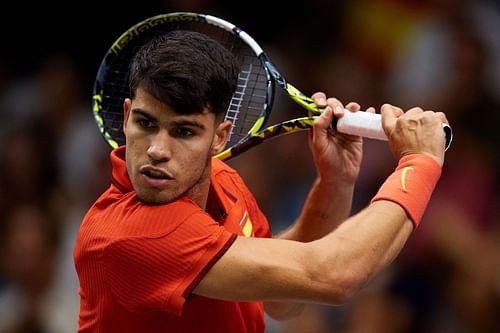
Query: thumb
pixel 389 115
pixel 323 122
pixel 322 125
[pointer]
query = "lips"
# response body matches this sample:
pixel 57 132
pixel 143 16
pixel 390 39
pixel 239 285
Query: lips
pixel 155 177
pixel 153 172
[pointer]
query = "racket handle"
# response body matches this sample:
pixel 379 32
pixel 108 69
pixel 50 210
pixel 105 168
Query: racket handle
pixel 369 125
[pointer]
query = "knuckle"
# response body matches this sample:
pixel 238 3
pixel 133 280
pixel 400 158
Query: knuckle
pixel 415 110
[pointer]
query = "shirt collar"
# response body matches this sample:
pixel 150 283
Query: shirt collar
pixel 119 175
pixel 225 198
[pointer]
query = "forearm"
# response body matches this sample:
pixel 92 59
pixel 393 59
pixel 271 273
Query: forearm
pixel 326 206
pixel 371 239
pixel 362 246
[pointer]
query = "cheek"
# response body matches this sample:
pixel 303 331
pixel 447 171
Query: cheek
pixel 135 154
pixel 193 161
pixel 190 161
pixel 132 133
pixel 136 140
pixel 196 149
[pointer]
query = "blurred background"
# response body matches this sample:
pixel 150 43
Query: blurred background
pixel 442 55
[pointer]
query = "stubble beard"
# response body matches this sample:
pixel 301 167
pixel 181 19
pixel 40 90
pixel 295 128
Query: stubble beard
pixel 198 192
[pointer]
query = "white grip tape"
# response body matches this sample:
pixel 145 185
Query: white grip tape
pixel 369 125
pixel 365 124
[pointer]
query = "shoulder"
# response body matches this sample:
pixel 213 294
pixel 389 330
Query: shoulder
pixel 220 168
pixel 224 174
pixel 232 185
pixel 127 216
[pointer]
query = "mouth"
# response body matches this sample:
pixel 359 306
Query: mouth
pixel 155 175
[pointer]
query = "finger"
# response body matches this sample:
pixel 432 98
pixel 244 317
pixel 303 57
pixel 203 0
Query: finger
pixel 336 106
pixel 415 110
pixel 319 133
pixel 389 115
pixel 319 98
pixel 325 119
pixel 391 110
pixel 353 106
pixel 371 109
pixel 443 118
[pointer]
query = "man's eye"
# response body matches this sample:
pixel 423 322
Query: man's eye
pixel 183 132
pixel 144 123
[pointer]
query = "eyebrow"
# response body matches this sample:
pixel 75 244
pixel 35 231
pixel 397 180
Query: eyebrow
pixel 139 112
pixel 180 122
pixel 185 122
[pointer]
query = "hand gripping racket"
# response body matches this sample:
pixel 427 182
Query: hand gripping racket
pixel 252 102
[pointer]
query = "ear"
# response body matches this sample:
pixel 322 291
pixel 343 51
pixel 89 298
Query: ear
pixel 221 136
pixel 127 105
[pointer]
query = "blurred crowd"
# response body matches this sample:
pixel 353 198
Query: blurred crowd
pixel 442 55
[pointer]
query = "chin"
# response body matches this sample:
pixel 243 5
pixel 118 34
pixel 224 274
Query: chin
pixel 156 198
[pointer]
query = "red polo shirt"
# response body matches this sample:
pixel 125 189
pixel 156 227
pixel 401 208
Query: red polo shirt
pixel 138 263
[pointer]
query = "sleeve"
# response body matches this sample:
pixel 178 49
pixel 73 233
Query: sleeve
pixel 160 272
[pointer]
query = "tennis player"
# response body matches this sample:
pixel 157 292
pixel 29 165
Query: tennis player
pixel 178 243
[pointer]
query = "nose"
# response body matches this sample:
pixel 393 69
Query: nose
pixel 159 149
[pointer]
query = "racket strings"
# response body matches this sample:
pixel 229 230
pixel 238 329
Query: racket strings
pixel 236 101
pixel 249 101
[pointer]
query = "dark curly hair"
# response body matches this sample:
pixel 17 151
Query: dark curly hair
pixel 186 70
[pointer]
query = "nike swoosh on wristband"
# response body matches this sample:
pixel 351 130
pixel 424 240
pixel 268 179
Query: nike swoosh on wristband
pixel 403 177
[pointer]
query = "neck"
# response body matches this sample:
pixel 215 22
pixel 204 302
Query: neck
pixel 199 192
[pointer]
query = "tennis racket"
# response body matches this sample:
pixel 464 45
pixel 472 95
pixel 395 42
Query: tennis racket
pixel 252 102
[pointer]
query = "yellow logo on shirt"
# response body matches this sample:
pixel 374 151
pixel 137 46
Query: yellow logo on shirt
pixel 246 225
pixel 248 228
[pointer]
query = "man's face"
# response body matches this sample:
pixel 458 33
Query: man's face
pixel 168 154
